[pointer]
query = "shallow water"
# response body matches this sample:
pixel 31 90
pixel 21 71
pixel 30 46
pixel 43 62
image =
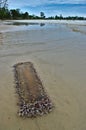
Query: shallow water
pixel 59 56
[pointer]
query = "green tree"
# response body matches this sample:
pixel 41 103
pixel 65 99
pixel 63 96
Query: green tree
pixel 56 17
pixel 60 17
pixel 15 13
pixel 25 15
pixel 42 15
pixel 5 13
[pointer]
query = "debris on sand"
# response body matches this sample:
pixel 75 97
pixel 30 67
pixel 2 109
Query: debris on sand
pixel 33 100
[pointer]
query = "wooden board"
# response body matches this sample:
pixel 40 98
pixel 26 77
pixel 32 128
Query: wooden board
pixel 33 100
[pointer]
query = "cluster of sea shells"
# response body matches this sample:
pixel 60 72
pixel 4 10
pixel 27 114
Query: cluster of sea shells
pixel 38 108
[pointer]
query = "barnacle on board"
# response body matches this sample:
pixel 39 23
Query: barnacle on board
pixel 33 100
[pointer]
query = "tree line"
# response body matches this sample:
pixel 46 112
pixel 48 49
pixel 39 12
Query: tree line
pixel 66 18
pixel 5 13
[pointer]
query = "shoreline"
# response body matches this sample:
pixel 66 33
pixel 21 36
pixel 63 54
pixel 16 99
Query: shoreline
pixel 54 21
pixel 6 27
pixel 29 25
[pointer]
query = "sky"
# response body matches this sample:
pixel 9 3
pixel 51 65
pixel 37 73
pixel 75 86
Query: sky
pixel 50 7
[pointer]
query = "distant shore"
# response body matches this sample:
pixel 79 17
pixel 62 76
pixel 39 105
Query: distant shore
pixel 6 25
pixel 47 21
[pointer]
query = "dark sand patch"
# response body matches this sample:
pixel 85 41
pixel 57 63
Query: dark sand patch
pixel 33 100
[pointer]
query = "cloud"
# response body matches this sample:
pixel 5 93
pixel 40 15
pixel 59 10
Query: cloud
pixel 34 3
pixel 57 9
pixel 67 1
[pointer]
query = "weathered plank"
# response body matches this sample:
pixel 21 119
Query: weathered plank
pixel 33 99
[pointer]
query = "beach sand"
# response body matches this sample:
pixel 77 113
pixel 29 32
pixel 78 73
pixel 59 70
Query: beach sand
pixel 59 56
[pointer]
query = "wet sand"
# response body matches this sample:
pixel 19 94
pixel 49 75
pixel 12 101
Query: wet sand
pixel 59 56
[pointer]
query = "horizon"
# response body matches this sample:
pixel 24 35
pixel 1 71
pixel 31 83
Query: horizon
pixel 51 7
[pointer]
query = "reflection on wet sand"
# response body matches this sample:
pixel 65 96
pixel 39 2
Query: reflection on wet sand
pixel 25 23
pixel 78 28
